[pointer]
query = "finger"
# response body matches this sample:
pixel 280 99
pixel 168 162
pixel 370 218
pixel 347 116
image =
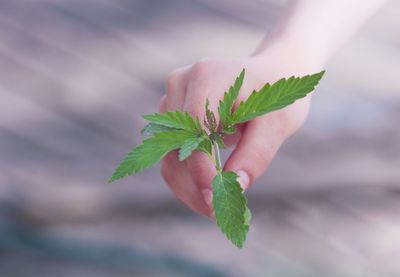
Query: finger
pixel 176 173
pixel 176 89
pixel 202 171
pixel 201 168
pixel 198 90
pixel 180 181
pixel 256 148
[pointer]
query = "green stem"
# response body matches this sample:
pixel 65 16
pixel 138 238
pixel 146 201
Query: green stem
pixel 218 164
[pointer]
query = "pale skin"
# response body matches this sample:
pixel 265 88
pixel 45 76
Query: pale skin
pixel 305 37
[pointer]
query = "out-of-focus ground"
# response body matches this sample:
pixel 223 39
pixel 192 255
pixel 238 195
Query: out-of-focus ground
pixel 75 77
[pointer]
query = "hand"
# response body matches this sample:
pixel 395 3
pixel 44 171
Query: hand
pixel 256 142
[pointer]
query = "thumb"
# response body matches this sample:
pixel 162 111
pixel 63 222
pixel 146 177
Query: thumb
pixel 256 148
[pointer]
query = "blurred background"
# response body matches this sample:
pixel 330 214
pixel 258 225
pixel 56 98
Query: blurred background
pixel 75 76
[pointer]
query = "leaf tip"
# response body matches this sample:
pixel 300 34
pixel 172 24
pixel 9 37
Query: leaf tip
pixel 115 176
pixel 321 73
pixel 112 179
pixel 239 245
pixel 147 116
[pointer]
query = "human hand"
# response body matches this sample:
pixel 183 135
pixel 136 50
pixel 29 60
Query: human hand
pixel 256 142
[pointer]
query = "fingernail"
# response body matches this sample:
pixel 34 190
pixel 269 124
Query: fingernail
pixel 243 179
pixel 207 195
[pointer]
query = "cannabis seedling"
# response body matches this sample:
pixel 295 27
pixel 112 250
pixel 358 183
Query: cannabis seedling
pixel 179 130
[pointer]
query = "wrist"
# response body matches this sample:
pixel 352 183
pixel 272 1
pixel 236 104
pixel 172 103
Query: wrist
pixel 295 49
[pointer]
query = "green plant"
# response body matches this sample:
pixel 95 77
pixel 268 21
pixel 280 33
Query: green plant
pixel 179 130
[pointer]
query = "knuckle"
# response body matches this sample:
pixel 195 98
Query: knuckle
pixel 201 67
pixel 173 74
pixel 172 79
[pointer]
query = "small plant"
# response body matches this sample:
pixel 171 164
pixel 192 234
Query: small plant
pixel 179 130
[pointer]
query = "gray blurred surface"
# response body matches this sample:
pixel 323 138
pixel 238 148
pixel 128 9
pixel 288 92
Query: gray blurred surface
pixel 75 77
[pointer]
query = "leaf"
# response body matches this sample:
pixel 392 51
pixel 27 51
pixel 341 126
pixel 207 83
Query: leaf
pixel 151 151
pixel 205 146
pixel 189 146
pixel 177 120
pixel 152 128
pixel 229 130
pixel 230 207
pixel 221 143
pixel 273 97
pixel 209 120
pixel 218 138
pixel 225 106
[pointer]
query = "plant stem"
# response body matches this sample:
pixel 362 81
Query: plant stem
pixel 218 164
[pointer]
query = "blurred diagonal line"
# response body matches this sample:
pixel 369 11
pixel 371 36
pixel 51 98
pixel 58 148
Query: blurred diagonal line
pixel 9 24
pixel 29 62
pixel 8 124
pixel 98 25
pixel 47 44
pixel 44 38
pixel 50 150
pixel 67 19
pixel 49 75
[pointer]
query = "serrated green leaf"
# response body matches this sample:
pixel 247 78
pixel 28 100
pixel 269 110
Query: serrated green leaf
pixel 205 146
pixel 274 97
pixel 189 146
pixel 177 120
pixel 152 128
pixel 226 105
pixel 151 151
pixel 230 207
